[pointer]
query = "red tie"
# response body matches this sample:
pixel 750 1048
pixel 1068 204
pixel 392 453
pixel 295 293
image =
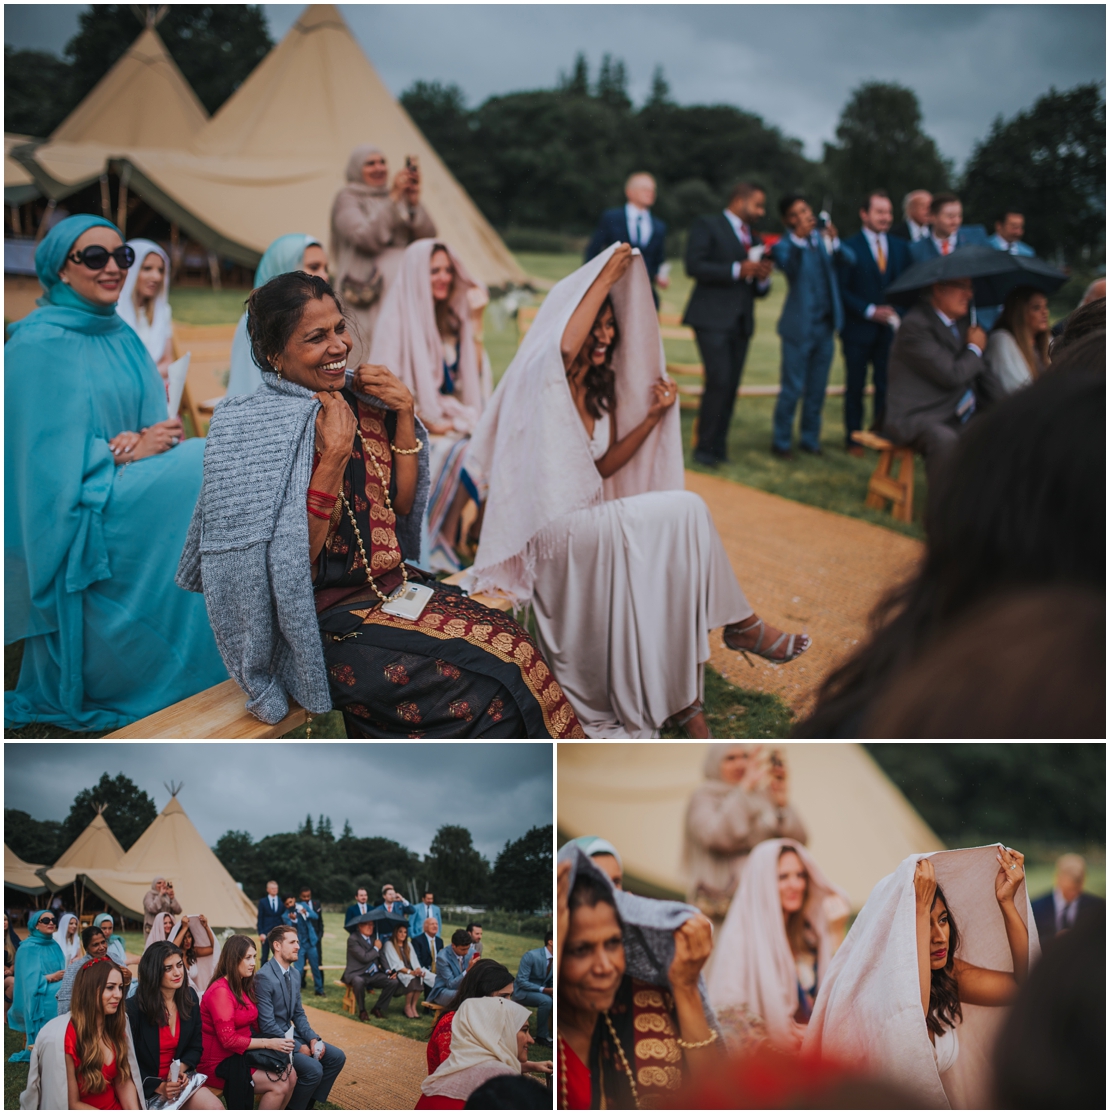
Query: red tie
pixel 944 246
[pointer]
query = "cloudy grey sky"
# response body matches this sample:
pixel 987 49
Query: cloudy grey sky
pixel 402 791
pixel 793 64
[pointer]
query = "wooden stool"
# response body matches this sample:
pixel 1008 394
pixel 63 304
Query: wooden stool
pixel 349 1000
pixel 436 1010
pixel 883 486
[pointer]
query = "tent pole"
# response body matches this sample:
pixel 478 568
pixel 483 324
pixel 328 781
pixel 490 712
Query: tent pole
pixel 17 224
pixel 175 251
pixel 44 224
pixel 214 270
pixel 105 198
pixel 121 210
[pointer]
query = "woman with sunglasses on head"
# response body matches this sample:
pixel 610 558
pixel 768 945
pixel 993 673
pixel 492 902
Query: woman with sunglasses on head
pixel 39 967
pixel 98 498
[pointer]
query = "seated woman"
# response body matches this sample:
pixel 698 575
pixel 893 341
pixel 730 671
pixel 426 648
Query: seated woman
pixel 292 252
pixel 144 302
pixel 398 956
pixel 1017 350
pixel 904 961
pixel 201 959
pixel 97 504
pixel 165 1026
pixel 429 335
pixel 310 513
pixel 486 979
pixel 97 1049
pixel 117 951
pixel 609 992
pixel 38 968
pixel 489 1038
pixel 581 455
pixel 772 954
pixel 227 1015
pixel 9 964
pixel 68 936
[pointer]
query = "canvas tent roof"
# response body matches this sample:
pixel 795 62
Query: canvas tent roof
pixel 96 848
pixel 142 101
pixel 173 848
pixel 274 156
pixel 19 184
pixel 635 795
pixel 19 875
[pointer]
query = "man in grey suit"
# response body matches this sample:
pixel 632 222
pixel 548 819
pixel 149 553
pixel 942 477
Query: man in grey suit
pixel 364 969
pixel 937 375
pixel 534 985
pixel 277 987
pixel 451 964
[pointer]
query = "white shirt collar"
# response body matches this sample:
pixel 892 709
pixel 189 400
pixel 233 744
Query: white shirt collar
pixel 949 322
pixel 917 231
pixel 736 222
pixel 938 240
pixel 285 969
pixel 635 210
pixel 1060 903
pixel 875 237
pixel 550 954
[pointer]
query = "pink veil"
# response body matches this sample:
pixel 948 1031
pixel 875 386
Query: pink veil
pixel 753 965
pixel 407 341
pixel 202 972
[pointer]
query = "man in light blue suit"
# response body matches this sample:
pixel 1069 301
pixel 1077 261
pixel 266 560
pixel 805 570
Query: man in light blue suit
pixel 1008 233
pixel 299 918
pixel 811 314
pixel 949 231
pixel 427 908
pixel 534 986
pixel 277 986
pixel 451 964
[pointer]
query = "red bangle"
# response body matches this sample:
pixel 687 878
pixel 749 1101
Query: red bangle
pixel 322 495
pixel 319 514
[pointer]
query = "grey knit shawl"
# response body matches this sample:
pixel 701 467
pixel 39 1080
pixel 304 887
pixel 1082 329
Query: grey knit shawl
pixel 648 926
pixel 247 545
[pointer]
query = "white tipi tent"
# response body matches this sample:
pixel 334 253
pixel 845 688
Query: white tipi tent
pixel 173 848
pixel 635 795
pixel 19 875
pixel 96 848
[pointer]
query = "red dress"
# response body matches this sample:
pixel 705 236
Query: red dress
pixel 167 1047
pixel 225 1026
pixel 439 1043
pixel 107 1099
pixel 575 1076
pixel 439 1102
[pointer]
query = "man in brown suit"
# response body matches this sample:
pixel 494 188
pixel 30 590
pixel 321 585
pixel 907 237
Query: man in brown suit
pixel 365 968
pixel 937 375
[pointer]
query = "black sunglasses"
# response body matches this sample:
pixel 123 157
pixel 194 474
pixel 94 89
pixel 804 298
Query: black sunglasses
pixel 96 257
pixel 46 920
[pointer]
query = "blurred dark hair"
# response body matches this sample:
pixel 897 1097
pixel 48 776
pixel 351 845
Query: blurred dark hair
pixel 1079 324
pixel 866 206
pixel 278 933
pixel 274 312
pixel 149 993
pixel 945 197
pixel 1051 1051
pixel 787 201
pixel 1020 504
pixel 87 935
pixel 601 382
pixel 460 936
pixel 231 955
pixel 1004 212
pixel 481 981
pixel 590 891
pixel 473 924
pixel 944 992
pixel 744 189
pixel 510 1092
pixel 1028 664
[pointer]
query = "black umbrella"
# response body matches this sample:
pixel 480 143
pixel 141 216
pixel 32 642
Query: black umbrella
pixel 994 274
pixel 378 916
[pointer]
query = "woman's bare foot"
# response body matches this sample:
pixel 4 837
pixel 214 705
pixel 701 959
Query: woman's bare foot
pixel 697 728
pixel 692 721
pixel 753 635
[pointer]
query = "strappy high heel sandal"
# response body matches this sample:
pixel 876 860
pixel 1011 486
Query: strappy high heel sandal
pixel 795 647
pixel 680 719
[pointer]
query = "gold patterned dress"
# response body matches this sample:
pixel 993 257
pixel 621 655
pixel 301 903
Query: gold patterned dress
pixel 461 670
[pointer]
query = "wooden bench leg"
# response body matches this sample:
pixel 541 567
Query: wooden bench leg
pixel 903 510
pixel 875 497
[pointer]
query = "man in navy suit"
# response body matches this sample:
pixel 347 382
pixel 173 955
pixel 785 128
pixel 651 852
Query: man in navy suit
pixel 393 903
pixel 635 225
pixel 724 255
pixel 870 261
pixel 1058 911
pixel 428 944
pixel 271 910
pixel 534 986
pixel 360 908
pixel 811 314
pixel 277 988
pixel 948 232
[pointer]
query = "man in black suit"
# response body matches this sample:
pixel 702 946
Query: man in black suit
pixel 725 257
pixel 428 944
pixel 270 911
pixel 869 262
pixel 634 224
pixel 1058 911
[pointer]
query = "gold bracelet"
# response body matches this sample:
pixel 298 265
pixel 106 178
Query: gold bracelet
pixel 407 452
pixel 697 1044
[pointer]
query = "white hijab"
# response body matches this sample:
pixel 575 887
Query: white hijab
pixel 869 1008
pixel 158 929
pixel 483 1044
pixel 407 341
pixel 753 965
pixel 531 451
pixel 70 949
pixel 161 329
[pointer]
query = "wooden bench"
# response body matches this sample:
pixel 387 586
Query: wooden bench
pixel 883 487
pixel 217 713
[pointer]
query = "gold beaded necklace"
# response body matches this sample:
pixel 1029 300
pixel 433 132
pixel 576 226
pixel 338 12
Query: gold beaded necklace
pixel 367 455
pixel 624 1060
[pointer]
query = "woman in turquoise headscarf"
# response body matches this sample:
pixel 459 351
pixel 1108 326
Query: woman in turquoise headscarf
pixel 117 950
pixel 39 967
pixel 98 497
pixel 292 252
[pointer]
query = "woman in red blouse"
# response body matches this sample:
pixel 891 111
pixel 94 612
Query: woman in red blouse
pixel 227 1013
pixel 486 979
pixel 98 1074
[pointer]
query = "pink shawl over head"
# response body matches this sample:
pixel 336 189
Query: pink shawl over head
pixel 407 341
pixel 753 965
pixel 868 1009
pixel 531 451
pixel 202 972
